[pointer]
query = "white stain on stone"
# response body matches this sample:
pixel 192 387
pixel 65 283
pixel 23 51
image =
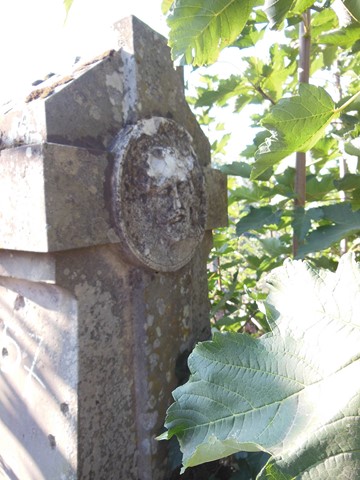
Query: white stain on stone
pixel 166 163
pixel 95 112
pixel 148 420
pixel 150 126
pixel 183 290
pixel 114 80
pixel 130 97
pixel 154 358
pixel 152 402
pixel 112 236
pixel 185 323
pixel 146 446
pixel 28 152
pixel 160 304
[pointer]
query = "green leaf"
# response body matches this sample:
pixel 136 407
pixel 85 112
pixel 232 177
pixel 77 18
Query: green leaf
pixel 242 169
pixel 302 5
pixel 323 21
pixel 286 178
pixel 257 218
pixel 278 10
pixel 292 392
pixel 226 89
pixel 67 5
pixel 296 125
pixel 200 29
pixel 250 36
pixel 318 188
pixel 218 147
pixel 301 224
pixel 273 246
pixel 225 297
pixel 239 169
pixel 351 149
pixel 329 55
pixel 242 101
pixel 355 200
pixel 353 7
pixel 278 73
pixel 252 194
pixel 326 148
pixel 344 37
pixel 344 222
pixel 302 221
pixel 166 5
pixel 350 181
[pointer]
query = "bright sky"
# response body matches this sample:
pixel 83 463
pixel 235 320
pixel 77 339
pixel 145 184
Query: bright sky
pixel 34 40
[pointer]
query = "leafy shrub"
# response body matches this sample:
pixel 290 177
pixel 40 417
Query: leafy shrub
pixel 292 392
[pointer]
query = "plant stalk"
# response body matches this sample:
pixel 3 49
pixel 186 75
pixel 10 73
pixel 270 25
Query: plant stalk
pixel 304 75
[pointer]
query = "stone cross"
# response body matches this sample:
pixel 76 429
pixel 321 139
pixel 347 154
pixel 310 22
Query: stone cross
pixel 107 204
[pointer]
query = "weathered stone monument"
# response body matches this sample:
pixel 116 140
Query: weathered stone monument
pixel 107 204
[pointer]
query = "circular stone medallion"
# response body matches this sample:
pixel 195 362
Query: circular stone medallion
pixel 159 203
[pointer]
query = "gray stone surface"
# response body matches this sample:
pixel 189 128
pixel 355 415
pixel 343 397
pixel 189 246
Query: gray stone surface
pixel 87 108
pixel 38 382
pixel 108 201
pixel 59 185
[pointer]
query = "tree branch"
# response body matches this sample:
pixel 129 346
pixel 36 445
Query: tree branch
pixel 304 75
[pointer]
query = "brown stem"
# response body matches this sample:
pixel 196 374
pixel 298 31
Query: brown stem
pixel 343 167
pixel 304 75
pixel 263 94
pixel 343 170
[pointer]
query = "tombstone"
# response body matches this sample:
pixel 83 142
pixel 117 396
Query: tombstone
pixel 107 204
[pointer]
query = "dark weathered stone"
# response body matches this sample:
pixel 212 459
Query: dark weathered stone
pixel 107 205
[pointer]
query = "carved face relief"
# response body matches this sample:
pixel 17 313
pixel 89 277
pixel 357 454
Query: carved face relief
pixel 159 203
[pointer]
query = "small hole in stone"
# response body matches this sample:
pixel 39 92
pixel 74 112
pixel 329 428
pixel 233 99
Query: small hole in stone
pixel 64 407
pixel 4 352
pixel 52 441
pixel 19 302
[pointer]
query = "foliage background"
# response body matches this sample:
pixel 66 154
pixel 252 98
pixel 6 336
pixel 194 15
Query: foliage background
pixel 268 219
pixel 262 217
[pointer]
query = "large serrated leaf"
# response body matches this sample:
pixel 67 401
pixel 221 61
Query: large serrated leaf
pixel 200 29
pixel 293 392
pixel 296 124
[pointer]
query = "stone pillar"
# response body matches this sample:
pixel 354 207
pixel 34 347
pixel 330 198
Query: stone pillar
pixel 107 205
